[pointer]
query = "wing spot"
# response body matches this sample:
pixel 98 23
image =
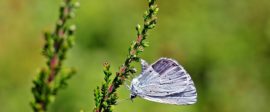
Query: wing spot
pixel 174 64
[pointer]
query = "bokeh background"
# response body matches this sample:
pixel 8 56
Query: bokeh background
pixel 223 44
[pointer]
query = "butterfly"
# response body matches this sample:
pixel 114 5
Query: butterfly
pixel 164 81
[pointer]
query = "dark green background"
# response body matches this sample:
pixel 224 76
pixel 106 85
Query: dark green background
pixel 223 44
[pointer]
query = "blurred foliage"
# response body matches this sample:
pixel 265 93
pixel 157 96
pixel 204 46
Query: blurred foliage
pixel 54 77
pixel 223 44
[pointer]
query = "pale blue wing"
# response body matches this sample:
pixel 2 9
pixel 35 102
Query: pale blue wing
pixel 167 80
pixel 187 97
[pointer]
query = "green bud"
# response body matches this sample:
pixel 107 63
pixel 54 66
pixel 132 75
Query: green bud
pixel 145 44
pixel 140 49
pixel 133 44
pixel 138 27
pixel 77 4
pixel 153 7
pixel 59 22
pixel 151 26
pixel 72 28
pixel 71 15
pixel 145 15
pixel 156 11
pixel 151 2
pixel 147 23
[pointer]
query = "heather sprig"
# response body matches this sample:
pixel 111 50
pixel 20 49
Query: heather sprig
pixel 105 96
pixel 54 76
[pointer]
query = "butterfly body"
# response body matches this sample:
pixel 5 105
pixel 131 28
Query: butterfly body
pixel 164 81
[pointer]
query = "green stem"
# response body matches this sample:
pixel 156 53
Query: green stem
pixel 55 49
pixel 104 102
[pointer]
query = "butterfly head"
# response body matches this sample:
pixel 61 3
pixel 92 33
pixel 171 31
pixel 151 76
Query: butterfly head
pixel 132 96
pixel 133 93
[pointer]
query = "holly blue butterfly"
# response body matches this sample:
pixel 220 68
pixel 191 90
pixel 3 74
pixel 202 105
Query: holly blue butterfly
pixel 164 81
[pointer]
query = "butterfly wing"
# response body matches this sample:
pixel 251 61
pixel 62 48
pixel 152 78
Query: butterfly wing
pixel 186 97
pixel 166 81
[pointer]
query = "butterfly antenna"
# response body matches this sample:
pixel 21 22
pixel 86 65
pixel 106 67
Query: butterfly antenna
pixel 129 81
pixel 127 86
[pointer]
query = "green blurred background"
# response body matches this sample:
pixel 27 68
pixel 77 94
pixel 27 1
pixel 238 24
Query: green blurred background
pixel 223 44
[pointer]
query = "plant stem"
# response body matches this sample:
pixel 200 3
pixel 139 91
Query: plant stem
pixel 105 97
pixel 54 76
